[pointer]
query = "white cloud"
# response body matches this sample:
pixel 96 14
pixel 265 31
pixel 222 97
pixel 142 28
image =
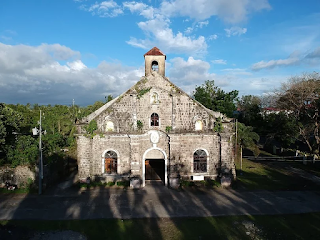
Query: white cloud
pixel 196 26
pixel 187 74
pixel 213 37
pixel 274 63
pixel 35 74
pixel 219 61
pixel 104 9
pixel 163 36
pixel 188 30
pixel 234 31
pixel 229 10
pixel 202 24
pixel 143 9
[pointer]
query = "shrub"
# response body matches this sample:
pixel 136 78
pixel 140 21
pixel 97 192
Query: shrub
pixel 123 183
pixel 110 184
pixel 185 183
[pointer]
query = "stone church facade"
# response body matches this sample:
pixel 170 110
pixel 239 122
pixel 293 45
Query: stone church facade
pixel 155 131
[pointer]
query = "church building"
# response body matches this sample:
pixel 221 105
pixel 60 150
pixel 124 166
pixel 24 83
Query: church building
pixel 155 131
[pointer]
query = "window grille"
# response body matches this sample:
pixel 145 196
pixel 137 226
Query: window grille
pixel 200 161
pixel 154 119
pixel 111 162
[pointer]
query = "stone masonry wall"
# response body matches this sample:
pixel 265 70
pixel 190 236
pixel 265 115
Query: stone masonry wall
pixel 131 148
pixel 175 108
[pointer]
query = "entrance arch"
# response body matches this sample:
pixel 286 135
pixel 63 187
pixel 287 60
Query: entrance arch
pixel 144 165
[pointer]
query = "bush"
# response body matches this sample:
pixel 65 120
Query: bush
pixel 212 183
pixel 110 184
pixel 123 183
pixel 185 183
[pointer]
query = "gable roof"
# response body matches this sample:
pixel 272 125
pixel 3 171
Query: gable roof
pixel 155 52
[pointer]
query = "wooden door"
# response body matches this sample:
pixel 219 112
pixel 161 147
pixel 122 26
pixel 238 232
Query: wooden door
pixel 109 165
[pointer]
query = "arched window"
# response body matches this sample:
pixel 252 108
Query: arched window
pixel 200 161
pixel 110 162
pixel 109 126
pixel 155 66
pixel 198 125
pixel 154 119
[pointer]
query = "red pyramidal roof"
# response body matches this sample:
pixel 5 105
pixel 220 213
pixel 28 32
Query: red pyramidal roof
pixel 155 52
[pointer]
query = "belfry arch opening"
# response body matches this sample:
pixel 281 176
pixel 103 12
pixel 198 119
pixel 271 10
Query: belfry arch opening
pixel 155 66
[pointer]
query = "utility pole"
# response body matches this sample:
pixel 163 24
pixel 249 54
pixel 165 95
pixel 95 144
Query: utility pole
pixel 40 162
pixel 35 131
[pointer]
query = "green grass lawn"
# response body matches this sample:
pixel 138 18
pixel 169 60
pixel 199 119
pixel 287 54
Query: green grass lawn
pixel 270 176
pixel 302 226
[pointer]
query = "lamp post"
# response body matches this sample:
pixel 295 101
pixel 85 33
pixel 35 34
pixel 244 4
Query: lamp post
pixel 36 131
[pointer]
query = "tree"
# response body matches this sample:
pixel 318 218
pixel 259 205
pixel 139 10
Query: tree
pixel 108 98
pixel 247 138
pixel 25 151
pixel 250 111
pixel 9 125
pixel 299 98
pixel 215 98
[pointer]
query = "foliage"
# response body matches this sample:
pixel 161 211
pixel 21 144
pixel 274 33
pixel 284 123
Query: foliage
pixel 218 127
pixel 142 91
pixel 299 98
pixel 123 183
pixel 91 127
pixel 25 151
pixel 267 122
pixel 139 125
pixel 110 184
pixel 250 110
pixel 17 121
pixel 108 98
pixel 185 183
pixel 10 121
pixel 246 137
pixel 168 129
pixel 215 98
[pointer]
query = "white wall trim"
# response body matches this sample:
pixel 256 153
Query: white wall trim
pixel 103 160
pixel 208 157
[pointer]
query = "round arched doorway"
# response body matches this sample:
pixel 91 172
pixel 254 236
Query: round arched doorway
pixel 154 165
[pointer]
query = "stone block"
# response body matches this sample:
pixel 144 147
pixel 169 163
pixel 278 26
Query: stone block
pixel 174 183
pixel 135 183
pixel 226 182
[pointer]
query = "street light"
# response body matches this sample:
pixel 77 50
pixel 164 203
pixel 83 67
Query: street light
pixel 36 131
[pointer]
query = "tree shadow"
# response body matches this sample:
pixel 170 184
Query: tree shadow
pixel 154 212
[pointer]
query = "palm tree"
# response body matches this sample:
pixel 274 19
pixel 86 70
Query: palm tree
pixel 246 138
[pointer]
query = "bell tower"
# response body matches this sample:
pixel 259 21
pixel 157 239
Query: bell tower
pixel 154 62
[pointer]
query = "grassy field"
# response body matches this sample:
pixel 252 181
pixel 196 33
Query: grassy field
pixel 272 176
pixel 302 226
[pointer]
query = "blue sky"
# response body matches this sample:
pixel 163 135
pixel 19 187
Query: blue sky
pixel 53 51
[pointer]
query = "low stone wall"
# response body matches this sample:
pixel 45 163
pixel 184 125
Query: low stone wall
pixel 18 175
